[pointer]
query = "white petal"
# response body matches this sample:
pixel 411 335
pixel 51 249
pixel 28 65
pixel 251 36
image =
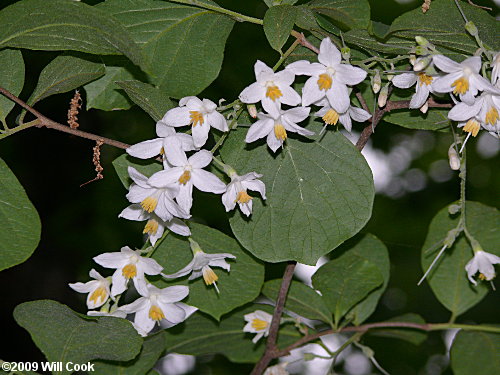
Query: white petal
pixel 359 114
pixel 259 130
pixel 405 80
pixel 329 55
pixel 84 287
pixel 186 141
pixel 229 197
pixel 209 105
pixel 174 293
pixel 345 120
pixel 174 153
pixel 260 68
pixel 193 103
pixel 179 116
pixel 150 266
pixel 290 96
pixel 338 96
pixel 146 149
pixel 140 303
pixel 141 285
pixel 473 62
pixel 185 197
pixel 173 313
pixel 112 260
pixel 443 83
pixel 201 159
pixel 119 283
pixel 463 112
pixel 200 134
pixel 163 130
pixel 138 177
pixel 284 78
pixel 311 92
pixel 166 178
pixel 420 96
pixel 178 226
pixel 186 99
pixel 273 142
pixel 349 75
pixel 217 121
pixel 253 93
pixel 446 64
pixel 256 185
pixel 143 321
pixel 208 182
pixel 297 114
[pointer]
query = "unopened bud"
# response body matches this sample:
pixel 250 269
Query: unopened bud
pixel 421 51
pixel 422 63
pixel 421 41
pixel 471 28
pixel 454 209
pixel 252 110
pixel 453 158
pixel 376 82
pixel 425 107
pixel 413 59
pixel 346 53
pixel 382 97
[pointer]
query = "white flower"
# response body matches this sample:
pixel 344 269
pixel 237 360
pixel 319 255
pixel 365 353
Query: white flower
pixel 279 369
pixel 495 73
pixel 155 226
pixel 157 304
pixel 259 322
pixel 462 78
pixel 200 265
pixel 154 147
pixel 97 289
pixel 482 262
pixel 275 124
pixel 237 191
pixel 331 117
pixel 155 199
pixel 328 77
pixel 186 173
pixel 423 87
pixel 200 114
pixel 271 88
pixel 129 264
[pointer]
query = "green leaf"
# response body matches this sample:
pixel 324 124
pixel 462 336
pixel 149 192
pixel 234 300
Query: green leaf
pixel 413 336
pixel 450 35
pixel 11 78
pixel 183 45
pixel 146 167
pixel 202 335
pixel 237 287
pixel 305 18
pixel 148 97
pixel 363 39
pixel 63 74
pixel 152 348
pixel 301 300
pixel 58 25
pixel 434 119
pixel 19 221
pixel 345 281
pixel 271 3
pixel 372 249
pixel 448 279
pixel 475 353
pixel 318 195
pixel 64 336
pixel 348 14
pixel 278 23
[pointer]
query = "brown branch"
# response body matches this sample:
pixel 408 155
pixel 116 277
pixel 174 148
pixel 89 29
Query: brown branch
pixel 303 41
pixel 48 123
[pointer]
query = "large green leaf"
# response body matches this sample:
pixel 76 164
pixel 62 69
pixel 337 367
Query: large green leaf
pixel 278 23
pixel 148 97
pixel 146 167
pixel 448 279
pixel 237 287
pixel 475 353
pixel 11 78
pixel 183 45
pixel 414 336
pixel 202 335
pixel 345 281
pixel 361 38
pixel 63 74
pixel 58 25
pixel 348 14
pixel 318 195
pixel 301 300
pixel 64 336
pixel 152 348
pixel 19 221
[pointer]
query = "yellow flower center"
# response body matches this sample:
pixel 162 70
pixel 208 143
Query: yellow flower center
pixel 162 151
pixel 461 85
pixel 151 227
pixel 273 92
pixel 280 132
pixel 331 117
pixel 482 277
pixel 99 293
pixel 185 177
pixel 156 313
pixel 243 197
pixel 424 79
pixel 209 275
pixel 129 271
pixel 259 325
pixel 196 118
pixel 149 204
pixel 472 126
pixel 324 81
pixel 492 116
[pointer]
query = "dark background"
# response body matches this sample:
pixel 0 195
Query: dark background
pixel 79 223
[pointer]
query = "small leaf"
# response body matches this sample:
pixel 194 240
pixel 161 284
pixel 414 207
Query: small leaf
pixel 301 299
pixel 19 221
pixel 11 78
pixel 278 23
pixel 146 167
pixel 345 281
pixel 64 336
pixel 475 353
pixel 148 97
pixel 305 18
pixel 414 336
pixel 348 14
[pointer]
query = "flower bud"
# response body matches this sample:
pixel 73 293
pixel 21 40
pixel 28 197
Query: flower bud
pixel 454 209
pixel 422 63
pixel 421 51
pixel 425 107
pixel 421 41
pixel 346 53
pixel 471 28
pixel 413 59
pixel 252 110
pixel 382 97
pixel 376 82
pixel 453 158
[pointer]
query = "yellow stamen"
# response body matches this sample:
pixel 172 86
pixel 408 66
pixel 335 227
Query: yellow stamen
pixel 324 81
pixel 424 79
pixel 243 197
pixel 162 151
pixel 492 116
pixel 185 177
pixel 156 313
pixel 129 271
pixel 273 92
pixel 99 293
pixel 151 227
pixel 482 277
pixel 259 325
pixel 149 204
pixel 209 275
pixel 461 85
pixel 331 117
pixel 280 132
pixel 472 126
pixel 196 118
